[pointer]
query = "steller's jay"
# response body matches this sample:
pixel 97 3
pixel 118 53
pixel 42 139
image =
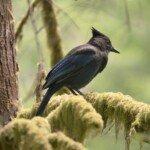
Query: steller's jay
pixel 78 67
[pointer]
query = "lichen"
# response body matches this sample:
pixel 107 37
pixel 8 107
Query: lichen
pixel 28 113
pixel 22 134
pixel 61 142
pixel 35 134
pixel 53 104
pixel 76 118
pixel 124 111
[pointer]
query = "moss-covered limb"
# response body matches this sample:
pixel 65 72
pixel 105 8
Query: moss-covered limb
pixel 71 115
pixel 52 32
pixel 25 134
pixel 76 118
pixel 35 134
pixel 61 142
pixel 18 33
pixel 65 115
pixel 30 113
pixel 123 110
pixel 53 104
pixel 142 125
pixel 113 106
pixel 142 121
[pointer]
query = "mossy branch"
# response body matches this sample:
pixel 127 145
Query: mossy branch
pixel 60 142
pixel 52 31
pixel 124 111
pixel 121 109
pixel 25 134
pixel 34 134
pixel 18 33
pixel 77 119
pixel 72 115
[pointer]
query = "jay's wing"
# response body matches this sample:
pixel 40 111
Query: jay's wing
pixel 68 66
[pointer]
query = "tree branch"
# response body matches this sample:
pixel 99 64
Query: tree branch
pixel 41 73
pixel 115 108
pixel 18 33
pixel 52 32
pixel 34 134
pixel 124 111
pixel 72 115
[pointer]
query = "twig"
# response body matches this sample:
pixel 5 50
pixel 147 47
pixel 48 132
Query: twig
pixel 67 15
pixel 40 78
pixel 35 30
pixel 37 82
pixel 18 33
pixel 31 91
pixel 40 29
pixel 41 72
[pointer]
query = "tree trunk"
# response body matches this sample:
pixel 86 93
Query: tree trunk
pixel 8 64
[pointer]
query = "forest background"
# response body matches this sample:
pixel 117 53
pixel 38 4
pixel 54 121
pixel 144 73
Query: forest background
pixel 127 24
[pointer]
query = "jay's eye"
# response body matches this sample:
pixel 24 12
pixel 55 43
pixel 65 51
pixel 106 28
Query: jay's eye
pixel 108 47
pixel 108 42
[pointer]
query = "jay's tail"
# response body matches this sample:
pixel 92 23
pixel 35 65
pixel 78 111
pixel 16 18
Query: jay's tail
pixel 46 98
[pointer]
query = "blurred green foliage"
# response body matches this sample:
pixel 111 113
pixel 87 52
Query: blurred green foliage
pixel 128 72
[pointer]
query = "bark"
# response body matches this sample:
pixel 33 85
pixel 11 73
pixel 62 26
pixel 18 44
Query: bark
pixel 8 64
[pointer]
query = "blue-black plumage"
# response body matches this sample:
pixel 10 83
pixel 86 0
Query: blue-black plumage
pixel 78 67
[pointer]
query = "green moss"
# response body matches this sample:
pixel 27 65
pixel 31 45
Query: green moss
pixel 52 32
pixel 28 113
pixel 61 142
pixel 53 104
pixel 76 118
pixel 142 125
pixel 124 111
pixel 22 134
pixel 70 114
pixel 35 134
